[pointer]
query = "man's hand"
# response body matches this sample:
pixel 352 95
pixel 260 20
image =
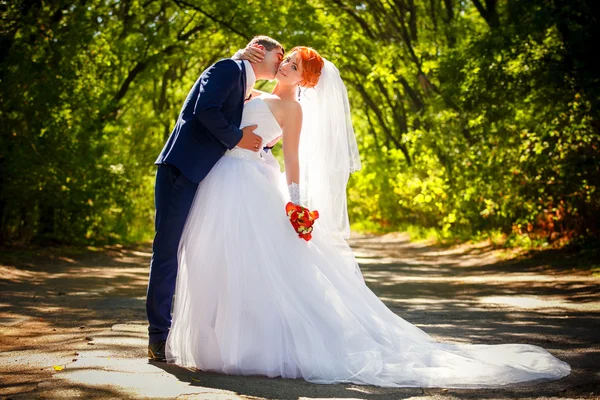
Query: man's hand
pixel 254 53
pixel 250 141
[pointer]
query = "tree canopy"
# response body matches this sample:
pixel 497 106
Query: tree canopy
pixel 472 117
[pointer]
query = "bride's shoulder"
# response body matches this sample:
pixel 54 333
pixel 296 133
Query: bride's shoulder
pixel 292 106
pixel 287 106
pixel 292 112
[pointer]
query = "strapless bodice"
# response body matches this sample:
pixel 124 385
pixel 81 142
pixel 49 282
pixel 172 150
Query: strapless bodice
pixel 257 112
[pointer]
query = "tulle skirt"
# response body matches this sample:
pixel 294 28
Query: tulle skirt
pixel 254 299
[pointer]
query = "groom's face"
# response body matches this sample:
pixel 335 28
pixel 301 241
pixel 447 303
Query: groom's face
pixel 271 62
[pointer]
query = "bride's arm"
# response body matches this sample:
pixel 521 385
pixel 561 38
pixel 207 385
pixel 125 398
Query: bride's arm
pixel 252 53
pixel 291 142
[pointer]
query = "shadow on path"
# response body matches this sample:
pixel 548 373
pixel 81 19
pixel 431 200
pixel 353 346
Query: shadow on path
pixel 82 310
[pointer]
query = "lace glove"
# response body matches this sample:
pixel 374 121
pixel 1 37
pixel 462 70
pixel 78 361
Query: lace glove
pixel 294 190
pixel 238 54
pixel 301 218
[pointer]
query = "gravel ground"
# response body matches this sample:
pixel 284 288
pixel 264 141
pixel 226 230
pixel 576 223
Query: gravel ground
pixel 72 321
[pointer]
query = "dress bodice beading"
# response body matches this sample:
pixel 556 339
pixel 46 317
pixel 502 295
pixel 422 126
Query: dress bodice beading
pixel 257 112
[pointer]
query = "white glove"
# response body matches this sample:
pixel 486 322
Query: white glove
pixel 294 190
pixel 237 55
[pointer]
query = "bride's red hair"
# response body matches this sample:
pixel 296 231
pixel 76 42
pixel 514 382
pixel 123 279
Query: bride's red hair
pixel 312 64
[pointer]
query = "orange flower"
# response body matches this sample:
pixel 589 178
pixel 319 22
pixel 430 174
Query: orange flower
pixel 302 219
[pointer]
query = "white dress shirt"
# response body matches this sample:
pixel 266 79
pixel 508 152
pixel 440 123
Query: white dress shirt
pixel 250 78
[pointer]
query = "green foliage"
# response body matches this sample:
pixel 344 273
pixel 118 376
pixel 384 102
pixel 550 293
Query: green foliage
pixel 503 133
pixel 471 121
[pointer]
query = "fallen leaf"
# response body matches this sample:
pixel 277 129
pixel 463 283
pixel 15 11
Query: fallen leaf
pixel 58 367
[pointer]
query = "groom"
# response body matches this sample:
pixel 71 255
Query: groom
pixel 207 126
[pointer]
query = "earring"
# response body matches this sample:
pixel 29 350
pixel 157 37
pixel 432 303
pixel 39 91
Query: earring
pixel 299 92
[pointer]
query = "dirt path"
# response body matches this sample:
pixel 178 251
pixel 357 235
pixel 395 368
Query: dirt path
pixel 72 321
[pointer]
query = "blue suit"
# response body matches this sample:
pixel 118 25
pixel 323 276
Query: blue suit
pixel 207 126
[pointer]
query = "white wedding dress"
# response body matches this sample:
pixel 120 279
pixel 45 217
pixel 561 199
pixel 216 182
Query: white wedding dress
pixel 254 299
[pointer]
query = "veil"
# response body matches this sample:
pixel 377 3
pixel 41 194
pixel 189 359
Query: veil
pixel 328 150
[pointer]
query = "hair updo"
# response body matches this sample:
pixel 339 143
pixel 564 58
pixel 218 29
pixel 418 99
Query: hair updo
pixel 312 64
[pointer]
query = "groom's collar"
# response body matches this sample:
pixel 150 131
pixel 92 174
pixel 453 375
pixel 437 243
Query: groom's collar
pixel 250 77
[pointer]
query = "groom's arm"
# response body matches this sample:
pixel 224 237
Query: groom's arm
pixel 215 87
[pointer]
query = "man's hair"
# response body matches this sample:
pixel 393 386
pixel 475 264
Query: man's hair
pixel 268 43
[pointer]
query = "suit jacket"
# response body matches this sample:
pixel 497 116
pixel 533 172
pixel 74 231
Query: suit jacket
pixel 209 120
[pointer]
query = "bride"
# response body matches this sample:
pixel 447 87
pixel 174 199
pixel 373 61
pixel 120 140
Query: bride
pixel 254 299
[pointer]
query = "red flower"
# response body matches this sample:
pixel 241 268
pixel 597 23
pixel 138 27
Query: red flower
pixel 302 219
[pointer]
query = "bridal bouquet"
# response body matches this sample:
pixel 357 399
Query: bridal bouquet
pixel 302 219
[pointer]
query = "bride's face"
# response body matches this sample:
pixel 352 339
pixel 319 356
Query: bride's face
pixel 290 70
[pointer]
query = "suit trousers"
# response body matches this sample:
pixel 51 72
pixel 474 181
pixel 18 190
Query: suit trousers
pixel 173 196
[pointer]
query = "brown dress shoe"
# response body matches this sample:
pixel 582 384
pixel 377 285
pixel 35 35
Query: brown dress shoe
pixel 156 351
